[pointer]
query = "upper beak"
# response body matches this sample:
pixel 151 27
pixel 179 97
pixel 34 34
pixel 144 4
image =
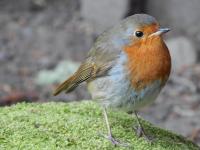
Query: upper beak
pixel 161 31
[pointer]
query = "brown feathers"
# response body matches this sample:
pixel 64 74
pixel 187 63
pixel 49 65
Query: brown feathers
pixel 85 72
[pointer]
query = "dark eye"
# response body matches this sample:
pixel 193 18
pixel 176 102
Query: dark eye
pixel 139 33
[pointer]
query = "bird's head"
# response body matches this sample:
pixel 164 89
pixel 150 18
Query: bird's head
pixel 137 28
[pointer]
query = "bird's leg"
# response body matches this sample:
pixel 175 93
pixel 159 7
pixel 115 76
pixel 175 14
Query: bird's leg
pixel 140 129
pixel 110 136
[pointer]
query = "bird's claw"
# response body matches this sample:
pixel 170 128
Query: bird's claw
pixel 114 141
pixel 141 133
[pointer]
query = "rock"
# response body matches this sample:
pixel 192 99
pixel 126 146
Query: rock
pixel 62 71
pixel 181 14
pixel 104 13
pixel 136 6
pixel 182 51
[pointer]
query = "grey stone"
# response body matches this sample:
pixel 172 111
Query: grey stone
pixel 182 51
pixel 179 124
pixel 103 13
pixel 178 13
pixel 62 71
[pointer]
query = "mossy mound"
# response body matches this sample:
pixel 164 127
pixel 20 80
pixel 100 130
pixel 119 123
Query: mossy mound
pixel 52 126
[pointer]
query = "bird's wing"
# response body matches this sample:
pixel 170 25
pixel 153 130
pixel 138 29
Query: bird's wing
pixel 92 68
pixel 86 72
pixel 100 59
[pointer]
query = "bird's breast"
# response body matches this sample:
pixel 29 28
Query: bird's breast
pixel 148 61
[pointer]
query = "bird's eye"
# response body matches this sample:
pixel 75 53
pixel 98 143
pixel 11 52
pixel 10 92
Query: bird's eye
pixel 139 34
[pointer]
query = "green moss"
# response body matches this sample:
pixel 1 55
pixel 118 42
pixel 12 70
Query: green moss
pixel 76 126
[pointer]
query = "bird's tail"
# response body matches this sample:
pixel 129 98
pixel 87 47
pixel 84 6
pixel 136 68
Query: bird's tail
pixel 85 72
pixel 67 86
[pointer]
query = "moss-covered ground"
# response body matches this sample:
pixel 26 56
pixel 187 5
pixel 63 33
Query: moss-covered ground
pixel 76 126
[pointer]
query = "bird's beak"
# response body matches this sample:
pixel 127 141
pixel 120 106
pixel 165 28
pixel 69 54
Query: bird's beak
pixel 161 31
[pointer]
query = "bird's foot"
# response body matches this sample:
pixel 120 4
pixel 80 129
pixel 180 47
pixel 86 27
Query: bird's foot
pixel 141 133
pixel 114 141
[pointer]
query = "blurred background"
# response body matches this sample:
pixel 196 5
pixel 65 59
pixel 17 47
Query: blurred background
pixel 43 41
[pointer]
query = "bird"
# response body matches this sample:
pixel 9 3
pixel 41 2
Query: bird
pixel 126 68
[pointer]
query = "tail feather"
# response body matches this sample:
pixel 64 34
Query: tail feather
pixel 66 85
pixel 85 72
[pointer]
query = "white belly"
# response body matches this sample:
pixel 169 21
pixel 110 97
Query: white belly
pixel 120 94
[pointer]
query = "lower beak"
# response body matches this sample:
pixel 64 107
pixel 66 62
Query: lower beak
pixel 161 31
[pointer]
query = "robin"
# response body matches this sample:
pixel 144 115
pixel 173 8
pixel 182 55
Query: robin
pixel 126 68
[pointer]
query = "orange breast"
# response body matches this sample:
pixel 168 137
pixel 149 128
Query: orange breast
pixel 148 60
